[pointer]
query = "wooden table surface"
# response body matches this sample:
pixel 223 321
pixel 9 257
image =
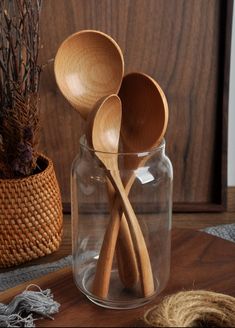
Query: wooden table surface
pixel 194 221
pixel 199 261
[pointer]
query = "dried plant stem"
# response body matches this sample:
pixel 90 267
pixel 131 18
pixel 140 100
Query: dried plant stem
pixel 19 85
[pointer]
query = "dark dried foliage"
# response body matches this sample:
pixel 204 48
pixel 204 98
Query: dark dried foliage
pixel 19 84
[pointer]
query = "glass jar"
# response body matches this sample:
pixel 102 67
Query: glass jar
pixel 120 260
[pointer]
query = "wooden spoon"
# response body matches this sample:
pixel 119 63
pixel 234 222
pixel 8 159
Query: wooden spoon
pixel 88 66
pixel 144 122
pixel 104 131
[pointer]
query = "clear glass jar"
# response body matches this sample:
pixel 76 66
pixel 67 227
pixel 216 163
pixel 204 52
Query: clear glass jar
pixel 119 261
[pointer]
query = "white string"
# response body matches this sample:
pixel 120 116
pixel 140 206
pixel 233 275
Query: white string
pixel 15 320
pixel 19 312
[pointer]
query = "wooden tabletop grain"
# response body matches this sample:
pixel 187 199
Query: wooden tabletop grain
pixel 199 261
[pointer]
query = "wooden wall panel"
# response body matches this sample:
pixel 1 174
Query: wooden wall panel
pixel 180 44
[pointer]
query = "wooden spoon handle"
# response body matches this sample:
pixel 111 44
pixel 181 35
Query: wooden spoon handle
pixel 125 252
pixel 104 264
pixel 126 258
pixel 143 260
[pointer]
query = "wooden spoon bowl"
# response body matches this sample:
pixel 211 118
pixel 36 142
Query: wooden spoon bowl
pixel 88 66
pixel 145 113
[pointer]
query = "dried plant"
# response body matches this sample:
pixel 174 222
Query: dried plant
pixel 19 85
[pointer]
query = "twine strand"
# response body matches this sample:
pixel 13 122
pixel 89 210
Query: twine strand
pixel 193 309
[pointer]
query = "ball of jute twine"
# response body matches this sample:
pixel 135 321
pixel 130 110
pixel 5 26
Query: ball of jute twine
pixel 193 309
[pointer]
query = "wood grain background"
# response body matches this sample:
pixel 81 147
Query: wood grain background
pixel 182 45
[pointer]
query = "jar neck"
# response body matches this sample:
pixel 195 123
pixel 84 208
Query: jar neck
pixel 158 150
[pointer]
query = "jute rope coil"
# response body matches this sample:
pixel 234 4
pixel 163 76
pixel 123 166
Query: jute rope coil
pixel 193 309
pixel 30 216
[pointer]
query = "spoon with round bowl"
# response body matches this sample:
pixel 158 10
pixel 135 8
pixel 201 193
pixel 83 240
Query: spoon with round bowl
pixel 89 65
pixel 144 123
pixel 103 131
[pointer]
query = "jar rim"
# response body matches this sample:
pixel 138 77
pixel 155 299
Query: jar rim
pixel 158 148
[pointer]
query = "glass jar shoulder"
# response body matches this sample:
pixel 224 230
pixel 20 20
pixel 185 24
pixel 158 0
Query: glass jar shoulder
pixel 160 164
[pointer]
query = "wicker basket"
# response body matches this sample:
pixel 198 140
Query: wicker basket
pixel 30 216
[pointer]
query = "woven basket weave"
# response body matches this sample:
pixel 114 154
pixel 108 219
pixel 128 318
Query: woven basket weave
pixel 30 216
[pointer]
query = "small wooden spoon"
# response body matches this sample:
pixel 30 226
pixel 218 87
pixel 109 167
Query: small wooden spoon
pixel 104 131
pixel 88 66
pixel 144 122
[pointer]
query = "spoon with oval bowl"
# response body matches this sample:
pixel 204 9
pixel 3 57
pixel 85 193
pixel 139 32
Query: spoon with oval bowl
pixel 103 133
pixel 145 112
pixel 144 123
pixel 88 65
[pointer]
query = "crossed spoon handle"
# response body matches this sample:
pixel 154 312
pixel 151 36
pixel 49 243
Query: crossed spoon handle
pixel 125 252
pixel 104 264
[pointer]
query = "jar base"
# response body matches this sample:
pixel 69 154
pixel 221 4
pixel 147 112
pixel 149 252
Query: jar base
pixel 117 306
pixel 119 298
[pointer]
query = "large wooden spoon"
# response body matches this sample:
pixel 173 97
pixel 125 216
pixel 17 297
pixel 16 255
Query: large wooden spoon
pixel 104 131
pixel 88 66
pixel 144 122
